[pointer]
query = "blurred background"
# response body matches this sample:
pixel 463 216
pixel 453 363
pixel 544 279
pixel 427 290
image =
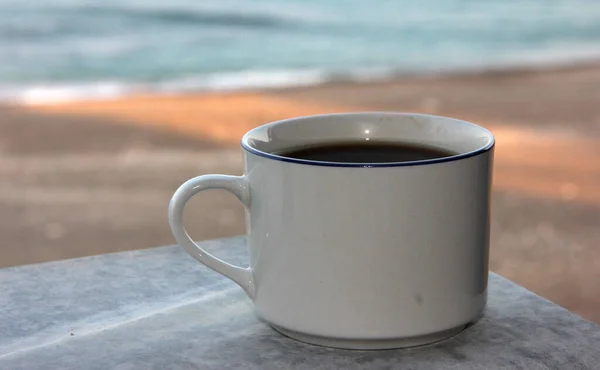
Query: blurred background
pixel 107 106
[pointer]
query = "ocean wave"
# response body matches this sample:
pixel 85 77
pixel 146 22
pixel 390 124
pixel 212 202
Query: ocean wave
pixel 107 19
pixel 187 16
pixel 245 80
pixel 199 16
pixel 55 93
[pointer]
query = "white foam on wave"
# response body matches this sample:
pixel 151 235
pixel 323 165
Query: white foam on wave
pixel 68 92
pixel 63 93
pixel 246 80
pixel 229 81
pixel 556 56
pixel 561 54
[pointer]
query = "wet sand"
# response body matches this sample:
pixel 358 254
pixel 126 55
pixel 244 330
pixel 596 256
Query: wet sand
pixel 95 177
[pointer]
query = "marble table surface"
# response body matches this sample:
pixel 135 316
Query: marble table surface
pixel 160 309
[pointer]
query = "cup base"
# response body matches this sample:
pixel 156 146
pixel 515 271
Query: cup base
pixel 370 344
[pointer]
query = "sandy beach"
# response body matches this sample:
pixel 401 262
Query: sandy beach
pixel 92 177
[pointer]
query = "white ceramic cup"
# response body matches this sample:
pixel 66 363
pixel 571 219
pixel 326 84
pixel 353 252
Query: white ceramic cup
pixel 363 256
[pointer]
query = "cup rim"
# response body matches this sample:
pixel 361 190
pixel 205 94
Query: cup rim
pixel 250 149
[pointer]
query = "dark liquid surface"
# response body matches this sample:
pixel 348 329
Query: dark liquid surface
pixel 366 152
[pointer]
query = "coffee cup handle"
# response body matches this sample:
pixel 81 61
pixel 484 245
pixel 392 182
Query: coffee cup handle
pixel 238 185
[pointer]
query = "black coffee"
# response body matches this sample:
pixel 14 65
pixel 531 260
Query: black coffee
pixel 367 152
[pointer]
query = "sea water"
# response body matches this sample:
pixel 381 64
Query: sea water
pixel 72 49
